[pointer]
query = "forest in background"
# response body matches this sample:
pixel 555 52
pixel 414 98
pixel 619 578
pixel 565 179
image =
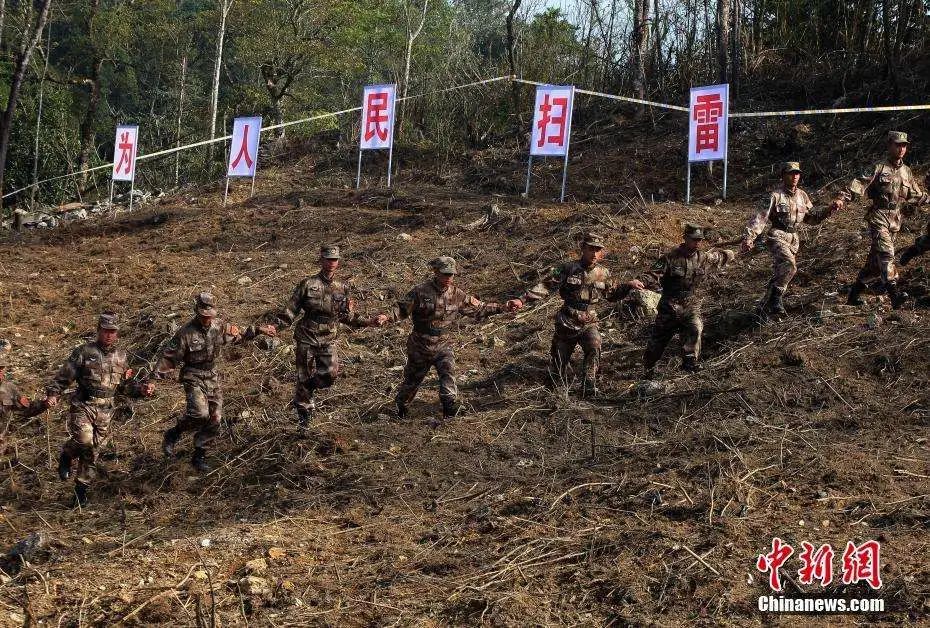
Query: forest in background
pixel 182 69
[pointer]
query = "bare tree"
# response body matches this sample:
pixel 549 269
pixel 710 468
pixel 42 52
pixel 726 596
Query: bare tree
pixel 640 50
pixel 511 59
pixel 412 34
pixel 224 7
pixel 93 101
pixel 723 39
pixel 32 33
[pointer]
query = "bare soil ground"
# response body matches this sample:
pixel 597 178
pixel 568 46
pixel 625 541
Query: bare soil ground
pixel 534 507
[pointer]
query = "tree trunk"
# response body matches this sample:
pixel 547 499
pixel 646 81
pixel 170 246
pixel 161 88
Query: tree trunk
pixel 890 62
pixel 2 20
pixel 35 156
pixel 640 50
pixel 735 46
pixel 511 59
pixel 224 6
pixel 723 39
pixel 177 136
pixel 93 102
pixel 21 64
pixel 411 37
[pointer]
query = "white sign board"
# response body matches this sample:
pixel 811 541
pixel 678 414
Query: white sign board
pixel 708 117
pixel 378 117
pixel 552 121
pixel 243 151
pixel 125 149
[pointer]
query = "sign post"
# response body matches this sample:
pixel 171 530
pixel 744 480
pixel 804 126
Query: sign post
pixel 378 103
pixel 552 128
pixel 243 151
pixel 708 124
pixel 126 148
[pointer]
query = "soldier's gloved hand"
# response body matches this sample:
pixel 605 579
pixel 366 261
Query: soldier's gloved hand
pixel 51 401
pixel 379 321
pixel 148 389
pixel 745 247
pixel 513 305
pixel 837 204
pixel 268 330
pixel 636 284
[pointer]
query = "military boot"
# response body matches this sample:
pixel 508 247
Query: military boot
pixel 451 410
pixel 64 465
pixel 401 409
pixel 199 460
pixel 80 495
pixel 689 363
pixel 855 294
pixel 897 296
pixel 171 438
pixel 589 389
pixel 305 415
pixel 776 303
pixel 908 254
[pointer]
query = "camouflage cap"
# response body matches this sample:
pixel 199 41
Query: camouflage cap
pixel 445 265
pixel 330 251
pixel 791 166
pixel 205 304
pixel 897 137
pixel 590 238
pixel 694 232
pixel 108 320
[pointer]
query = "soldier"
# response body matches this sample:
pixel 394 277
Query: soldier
pixel 434 306
pixel 101 370
pixel 890 186
pixel 322 303
pixel 197 346
pixel 787 207
pixel 680 273
pixel 582 284
pixel 12 401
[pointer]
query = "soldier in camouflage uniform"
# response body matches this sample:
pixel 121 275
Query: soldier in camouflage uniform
pixel 101 370
pixel 322 303
pixel 197 346
pixel 12 401
pixel 680 273
pixel 787 207
pixel 435 306
pixel 581 284
pixel 891 186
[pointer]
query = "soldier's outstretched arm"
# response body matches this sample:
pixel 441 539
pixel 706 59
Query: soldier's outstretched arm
pixel 478 309
pixel 718 258
pixel 233 334
pixel 549 282
pixel 404 306
pixel 64 378
pixel 172 356
pixel 757 222
pixel 856 188
pixel 18 404
pixel 292 310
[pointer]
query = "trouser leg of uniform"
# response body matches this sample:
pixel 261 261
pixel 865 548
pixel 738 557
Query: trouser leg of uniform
pixel 445 368
pixel 211 428
pixel 663 330
pixel 590 342
pixel 563 345
pixel 692 331
pixel 880 262
pixel 304 388
pixel 88 427
pixel 418 365
pixel 327 366
pixel 784 260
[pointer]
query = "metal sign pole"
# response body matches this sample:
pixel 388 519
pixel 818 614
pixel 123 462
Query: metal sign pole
pixel 390 161
pixel 529 175
pixel 358 177
pixel 252 191
pixel 132 185
pixel 688 185
pixel 226 192
pixel 112 183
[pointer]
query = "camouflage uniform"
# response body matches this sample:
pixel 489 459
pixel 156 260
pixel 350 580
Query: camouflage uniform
pixel 434 311
pixel 100 374
pixel 680 274
pixel 576 323
pixel 324 303
pixel 890 186
pixel 786 210
pixel 198 349
pixel 13 402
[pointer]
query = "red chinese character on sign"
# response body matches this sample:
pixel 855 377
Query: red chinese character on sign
pixel 244 150
pixel 708 108
pixel 125 148
pixel 772 561
pixel 376 113
pixel 547 119
pixel 816 565
pixel 862 563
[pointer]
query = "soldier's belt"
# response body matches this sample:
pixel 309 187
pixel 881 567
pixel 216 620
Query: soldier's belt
pixel 96 401
pixel 428 330
pixel 204 367
pixel 578 305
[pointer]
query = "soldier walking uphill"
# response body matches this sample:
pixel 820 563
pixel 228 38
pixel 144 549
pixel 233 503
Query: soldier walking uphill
pixel 435 306
pixel 891 186
pixel 582 284
pixel 101 370
pixel 197 346
pixel 680 273
pixel 322 303
pixel 787 207
pixel 12 401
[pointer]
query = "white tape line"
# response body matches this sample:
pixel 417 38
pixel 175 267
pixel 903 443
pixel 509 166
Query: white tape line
pixel 169 151
pixel 810 112
pixel 613 96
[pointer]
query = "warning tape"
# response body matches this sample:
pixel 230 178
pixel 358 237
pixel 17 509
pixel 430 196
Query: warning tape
pixel 638 101
pixel 811 112
pixel 176 149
